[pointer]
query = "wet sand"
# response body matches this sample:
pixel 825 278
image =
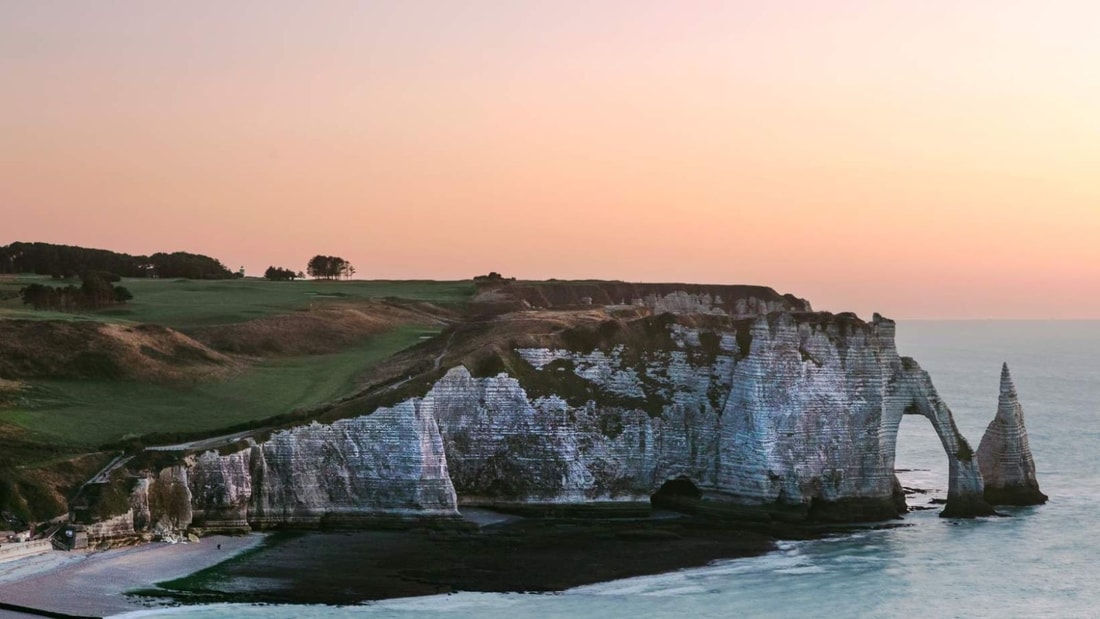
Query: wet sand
pixel 348 567
pixel 504 554
pixel 94 583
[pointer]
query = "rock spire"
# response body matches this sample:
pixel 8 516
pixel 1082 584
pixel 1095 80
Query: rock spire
pixel 1004 455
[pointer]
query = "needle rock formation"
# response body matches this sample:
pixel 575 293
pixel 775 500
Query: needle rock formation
pixel 1004 455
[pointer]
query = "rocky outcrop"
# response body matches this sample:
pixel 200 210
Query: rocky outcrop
pixel 119 527
pixel 780 415
pixel 1004 454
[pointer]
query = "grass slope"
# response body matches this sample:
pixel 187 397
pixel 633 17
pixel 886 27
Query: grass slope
pixel 89 413
pixel 187 304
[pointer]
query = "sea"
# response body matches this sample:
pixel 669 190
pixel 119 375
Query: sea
pixel 1039 561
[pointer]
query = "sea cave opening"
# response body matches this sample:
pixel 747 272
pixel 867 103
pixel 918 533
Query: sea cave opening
pixel 679 494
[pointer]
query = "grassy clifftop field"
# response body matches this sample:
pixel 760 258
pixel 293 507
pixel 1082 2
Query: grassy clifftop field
pixel 186 304
pixel 187 356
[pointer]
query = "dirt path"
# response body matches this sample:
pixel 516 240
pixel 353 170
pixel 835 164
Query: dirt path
pixel 204 443
pixel 446 347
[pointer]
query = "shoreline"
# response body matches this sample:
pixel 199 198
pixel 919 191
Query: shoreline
pixel 95 583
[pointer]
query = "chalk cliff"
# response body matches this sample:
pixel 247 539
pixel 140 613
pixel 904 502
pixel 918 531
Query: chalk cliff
pixel 792 415
pixel 1004 455
pixel 388 465
pixel 753 413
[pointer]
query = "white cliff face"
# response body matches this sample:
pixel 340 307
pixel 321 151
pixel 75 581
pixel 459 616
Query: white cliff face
pixel 1004 454
pixel 385 465
pixel 506 448
pixel 801 424
pixel 794 415
pixel 807 420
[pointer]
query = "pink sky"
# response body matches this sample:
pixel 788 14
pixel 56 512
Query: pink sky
pixel 920 159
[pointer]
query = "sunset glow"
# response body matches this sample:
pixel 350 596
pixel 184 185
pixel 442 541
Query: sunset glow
pixel 919 159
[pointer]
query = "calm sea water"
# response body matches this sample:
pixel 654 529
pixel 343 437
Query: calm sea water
pixel 1041 562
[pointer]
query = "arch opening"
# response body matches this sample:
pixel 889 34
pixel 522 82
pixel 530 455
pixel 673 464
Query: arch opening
pixel 921 471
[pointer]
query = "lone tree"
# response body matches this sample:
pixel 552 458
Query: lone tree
pixel 329 267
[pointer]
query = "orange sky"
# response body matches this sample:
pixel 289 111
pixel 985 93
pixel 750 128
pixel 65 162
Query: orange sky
pixel 919 159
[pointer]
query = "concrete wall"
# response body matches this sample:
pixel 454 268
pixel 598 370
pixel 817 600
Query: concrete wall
pixel 10 551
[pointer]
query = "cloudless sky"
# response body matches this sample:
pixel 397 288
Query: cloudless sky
pixel 921 159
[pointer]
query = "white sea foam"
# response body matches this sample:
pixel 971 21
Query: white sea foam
pixel 802 569
pixel 451 602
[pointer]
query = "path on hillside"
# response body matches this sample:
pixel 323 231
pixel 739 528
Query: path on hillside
pixel 446 347
pixel 203 443
pixel 104 474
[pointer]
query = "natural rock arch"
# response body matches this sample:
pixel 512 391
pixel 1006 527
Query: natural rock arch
pixel 912 393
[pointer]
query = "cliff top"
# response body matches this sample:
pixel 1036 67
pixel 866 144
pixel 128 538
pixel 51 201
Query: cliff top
pixel 499 295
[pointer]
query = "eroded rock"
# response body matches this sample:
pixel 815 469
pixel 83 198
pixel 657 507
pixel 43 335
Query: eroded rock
pixel 1004 454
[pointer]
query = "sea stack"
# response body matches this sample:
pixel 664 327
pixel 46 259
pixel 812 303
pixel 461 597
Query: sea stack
pixel 1004 455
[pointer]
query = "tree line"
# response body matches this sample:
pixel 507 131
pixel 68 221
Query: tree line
pixel 95 292
pixel 319 267
pixel 67 261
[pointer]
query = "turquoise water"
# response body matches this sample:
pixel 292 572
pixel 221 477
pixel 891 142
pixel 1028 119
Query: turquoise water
pixel 1041 562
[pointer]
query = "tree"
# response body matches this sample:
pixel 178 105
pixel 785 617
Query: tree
pixel 327 267
pixel 96 291
pixel 37 296
pixel 279 274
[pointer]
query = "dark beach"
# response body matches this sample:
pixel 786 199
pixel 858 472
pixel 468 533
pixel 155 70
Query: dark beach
pixel 537 555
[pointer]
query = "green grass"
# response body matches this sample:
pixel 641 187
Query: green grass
pixel 185 304
pixel 90 413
